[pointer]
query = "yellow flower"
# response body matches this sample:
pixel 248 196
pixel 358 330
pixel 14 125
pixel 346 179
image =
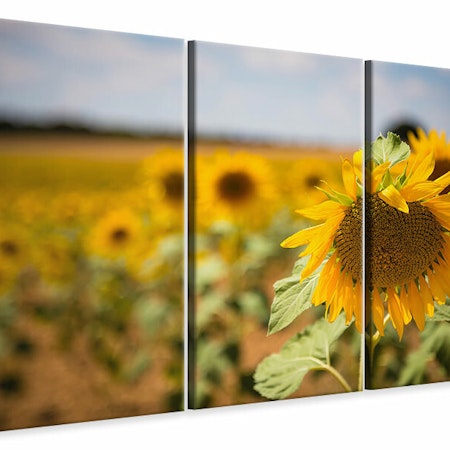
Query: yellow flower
pixel 338 242
pixel 300 178
pixel 163 174
pixel 408 241
pixel 55 259
pixel 237 187
pixel 14 252
pixel 115 234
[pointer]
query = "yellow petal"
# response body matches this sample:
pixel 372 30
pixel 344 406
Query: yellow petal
pixel 327 276
pixel 348 177
pixel 302 237
pixel 322 211
pixel 440 207
pixel 378 311
pixel 416 304
pixel 427 297
pixel 358 164
pixel 421 168
pixel 436 289
pixel 443 180
pixel 393 198
pixel 405 306
pixel 395 312
pixel 377 175
pixel 316 259
pixel 421 191
pixel 358 307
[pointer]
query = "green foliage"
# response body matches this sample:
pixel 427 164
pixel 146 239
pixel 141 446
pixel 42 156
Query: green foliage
pixel 441 313
pixel 281 374
pixel 434 347
pixel 390 148
pixel 292 297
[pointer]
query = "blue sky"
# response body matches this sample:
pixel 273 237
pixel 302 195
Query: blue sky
pixel 404 92
pixel 282 95
pixel 100 78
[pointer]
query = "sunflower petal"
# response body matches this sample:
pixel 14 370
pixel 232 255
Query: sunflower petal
pixel 378 311
pixel 321 211
pixel 427 297
pixel 349 179
pixel 421 168
pixel 377 175
pixel 358 164
pixel 393 198
pixel 416 304
pixel 302 237
pixel 358 307
pixel 440 207
pixel 422 190
pixel 395 312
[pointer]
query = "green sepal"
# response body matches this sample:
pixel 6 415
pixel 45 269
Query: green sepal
pixel 336 196
pixel 390 148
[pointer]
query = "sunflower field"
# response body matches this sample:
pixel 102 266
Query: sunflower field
pixel 91 279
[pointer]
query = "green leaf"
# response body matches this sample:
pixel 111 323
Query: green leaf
pixel 281 374
pixel 414 370
pixel 433 346
pixel 292 297
pixel 390 148
pixel 441 313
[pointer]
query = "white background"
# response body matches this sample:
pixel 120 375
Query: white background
pixel 403 31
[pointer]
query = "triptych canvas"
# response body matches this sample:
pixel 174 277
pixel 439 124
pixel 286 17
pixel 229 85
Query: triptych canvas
pixel 283 233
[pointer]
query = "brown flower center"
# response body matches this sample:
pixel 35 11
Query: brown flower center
pixel 399 246
pixel 235 187
pixel 9 248
pixel 119 235
pixel 174 186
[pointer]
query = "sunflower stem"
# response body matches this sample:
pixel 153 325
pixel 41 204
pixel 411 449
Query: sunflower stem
pixel 361 364
pixel 338 377
pixel 375 339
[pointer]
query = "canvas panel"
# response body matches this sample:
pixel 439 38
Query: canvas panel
pixel 274 140
pixel 91 220
pixel 407 228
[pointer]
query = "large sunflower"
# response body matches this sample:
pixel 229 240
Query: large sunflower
pixel 408 242
pixel 407 239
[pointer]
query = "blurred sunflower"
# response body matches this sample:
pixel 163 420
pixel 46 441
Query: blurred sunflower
pixel 115 235
pixel 13 253
pixel 408 246
pixel 338 242
pixel 13 247
pixel 303 175
pixel 163 176
pixel 55 258
pixel 237 187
